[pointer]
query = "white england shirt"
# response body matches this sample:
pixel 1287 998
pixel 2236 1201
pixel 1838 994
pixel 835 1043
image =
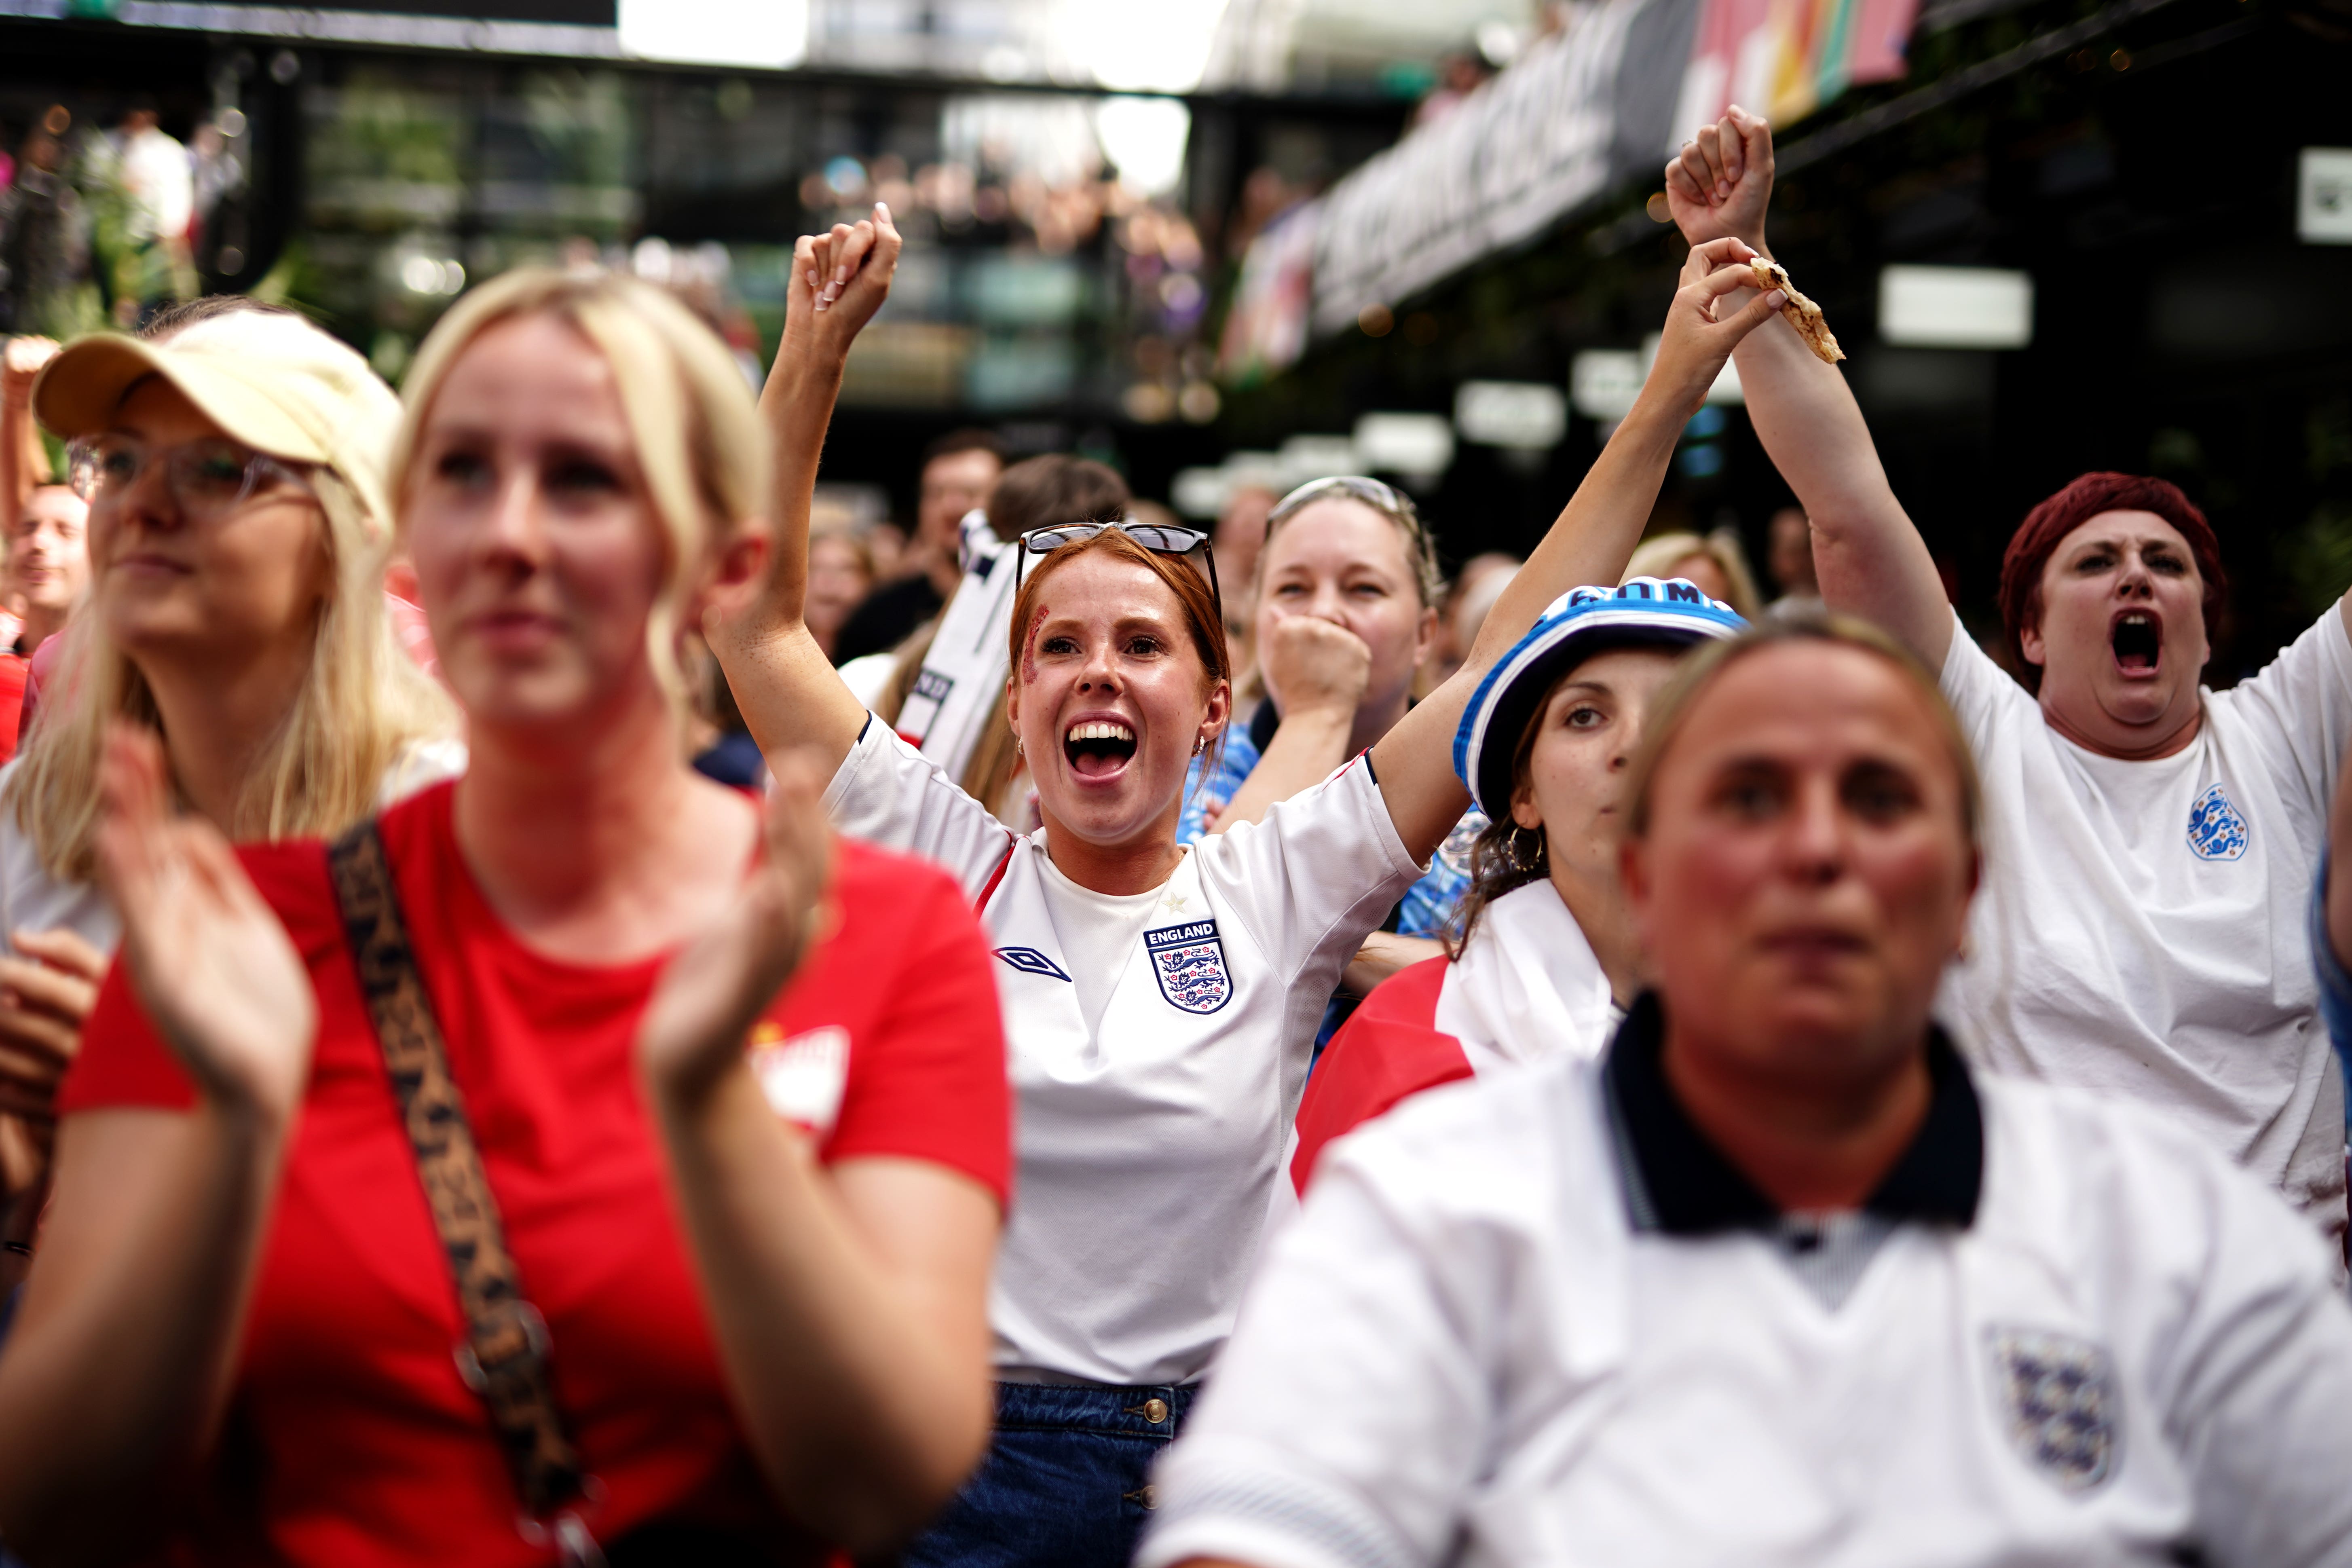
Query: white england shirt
pixel 1147 1144
pixel 1466 1351
pixel 2140 930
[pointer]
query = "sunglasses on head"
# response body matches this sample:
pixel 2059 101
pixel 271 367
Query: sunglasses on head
pixel 1374 493
pixel 1160 538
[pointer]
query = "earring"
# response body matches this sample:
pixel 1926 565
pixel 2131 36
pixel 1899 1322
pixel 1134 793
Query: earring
pixel 1523 858
pixel 1020 747
pixel 1200 744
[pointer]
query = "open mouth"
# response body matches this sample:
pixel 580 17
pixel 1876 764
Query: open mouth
pixel 1099 750
pixel 2137 638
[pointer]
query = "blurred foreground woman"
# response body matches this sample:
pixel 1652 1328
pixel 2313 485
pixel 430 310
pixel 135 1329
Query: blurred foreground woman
pixel 1779 1281
pixel 333 1228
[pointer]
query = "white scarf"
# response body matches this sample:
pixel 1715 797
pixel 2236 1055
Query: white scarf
pixel 1528 986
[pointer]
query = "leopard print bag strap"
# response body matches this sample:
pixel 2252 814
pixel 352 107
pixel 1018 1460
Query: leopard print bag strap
pixel 504 1357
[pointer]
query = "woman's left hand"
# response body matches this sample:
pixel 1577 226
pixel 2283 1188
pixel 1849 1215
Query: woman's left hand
pixel 720 983
pixel 1695 344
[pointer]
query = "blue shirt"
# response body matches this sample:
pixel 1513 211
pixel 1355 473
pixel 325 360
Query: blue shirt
pixel 1426 906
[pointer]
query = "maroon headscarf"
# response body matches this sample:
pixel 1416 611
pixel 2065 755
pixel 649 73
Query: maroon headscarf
pixel 2070 509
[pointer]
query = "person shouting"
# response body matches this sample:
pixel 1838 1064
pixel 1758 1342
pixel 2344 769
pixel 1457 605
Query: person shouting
pixel 1161 999
pixel 2143 934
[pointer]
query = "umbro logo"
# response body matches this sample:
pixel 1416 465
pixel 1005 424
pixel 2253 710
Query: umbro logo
pixel 1029 961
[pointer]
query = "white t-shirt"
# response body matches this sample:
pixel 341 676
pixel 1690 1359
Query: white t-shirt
pixel 1148 1143
pixel 33 899
pixel 2140 930
pixel 1465 1351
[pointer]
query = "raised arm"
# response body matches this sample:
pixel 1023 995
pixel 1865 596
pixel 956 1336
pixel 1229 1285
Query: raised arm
pixel 1589 543
pixel 849 1305
pixel 1870 558
pixel 788 691
pixel 119 1367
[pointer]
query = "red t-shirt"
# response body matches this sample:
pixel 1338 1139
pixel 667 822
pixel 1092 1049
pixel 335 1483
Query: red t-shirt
pixel 352 1439
pixel 14 668
pixel 1389 1048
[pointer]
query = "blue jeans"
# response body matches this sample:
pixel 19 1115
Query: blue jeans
pixel 1066 1482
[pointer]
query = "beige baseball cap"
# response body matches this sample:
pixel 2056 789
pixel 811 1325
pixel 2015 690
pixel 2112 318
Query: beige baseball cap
pixel 269 380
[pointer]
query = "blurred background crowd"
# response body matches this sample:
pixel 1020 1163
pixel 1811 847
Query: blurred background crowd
pixel 1225 246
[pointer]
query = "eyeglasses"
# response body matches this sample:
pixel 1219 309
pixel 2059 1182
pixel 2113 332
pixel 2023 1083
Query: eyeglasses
pixel 1159 537
pixel 206 478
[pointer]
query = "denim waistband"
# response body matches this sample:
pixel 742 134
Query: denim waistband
pixel 1093 1408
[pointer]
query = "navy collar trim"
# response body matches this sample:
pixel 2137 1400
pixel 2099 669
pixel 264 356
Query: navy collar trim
pixel 1688 1188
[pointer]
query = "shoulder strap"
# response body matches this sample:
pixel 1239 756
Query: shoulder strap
pixel 503 1357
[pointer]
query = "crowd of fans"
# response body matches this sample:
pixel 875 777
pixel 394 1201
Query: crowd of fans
pixel 557 1010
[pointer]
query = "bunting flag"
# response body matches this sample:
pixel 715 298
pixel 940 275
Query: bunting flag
pixel 1786 58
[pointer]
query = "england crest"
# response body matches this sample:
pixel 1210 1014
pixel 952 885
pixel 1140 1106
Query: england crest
pixel 1189 961
pixel 2057 1395
pixel 2215 830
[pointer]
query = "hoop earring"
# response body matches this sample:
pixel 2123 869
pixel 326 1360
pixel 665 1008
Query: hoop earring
pixel 1523 857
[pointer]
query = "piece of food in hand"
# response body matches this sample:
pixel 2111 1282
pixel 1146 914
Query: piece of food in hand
pixel 1801 312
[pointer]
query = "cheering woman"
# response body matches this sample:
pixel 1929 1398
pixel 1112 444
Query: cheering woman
pixel 1162 1001
pixel 2143 933
pixel 418 1198
pixel 1779 1281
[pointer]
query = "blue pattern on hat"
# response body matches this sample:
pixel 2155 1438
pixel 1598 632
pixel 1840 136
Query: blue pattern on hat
pixel 1667 610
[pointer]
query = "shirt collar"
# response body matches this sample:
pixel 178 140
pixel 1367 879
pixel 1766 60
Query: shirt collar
pixel 1679 1183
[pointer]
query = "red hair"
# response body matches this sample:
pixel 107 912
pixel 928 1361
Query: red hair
pixel 2047 525
pixel 1189 587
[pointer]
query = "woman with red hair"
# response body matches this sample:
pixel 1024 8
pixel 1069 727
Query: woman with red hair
pixel 1160 999
pixel 2141 930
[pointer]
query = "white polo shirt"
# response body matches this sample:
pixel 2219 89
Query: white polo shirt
pixel 1157 1043
pixel 2140 930
pixel 1471 1348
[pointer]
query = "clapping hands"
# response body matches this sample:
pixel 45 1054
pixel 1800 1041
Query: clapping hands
pixel 210 961
pixel 712 993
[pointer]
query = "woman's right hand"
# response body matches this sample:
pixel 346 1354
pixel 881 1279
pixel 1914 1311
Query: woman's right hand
pixel 1695 346
pixel 1313 665
pixel 210 961
pixel 839 280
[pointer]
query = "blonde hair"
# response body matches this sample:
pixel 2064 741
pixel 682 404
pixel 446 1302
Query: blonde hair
pixel 363 704
pixel 1658 557
pixel 698 434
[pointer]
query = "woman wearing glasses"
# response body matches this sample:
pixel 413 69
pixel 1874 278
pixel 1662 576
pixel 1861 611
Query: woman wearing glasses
pixel 234 466
pixel 1161 1001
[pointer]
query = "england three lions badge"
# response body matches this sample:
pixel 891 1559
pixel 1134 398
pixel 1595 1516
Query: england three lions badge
pixel 2217 831
pixel 2057 1395
pixel 1189 961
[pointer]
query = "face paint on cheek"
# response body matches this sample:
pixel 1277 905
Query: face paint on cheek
pixel 1029 647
